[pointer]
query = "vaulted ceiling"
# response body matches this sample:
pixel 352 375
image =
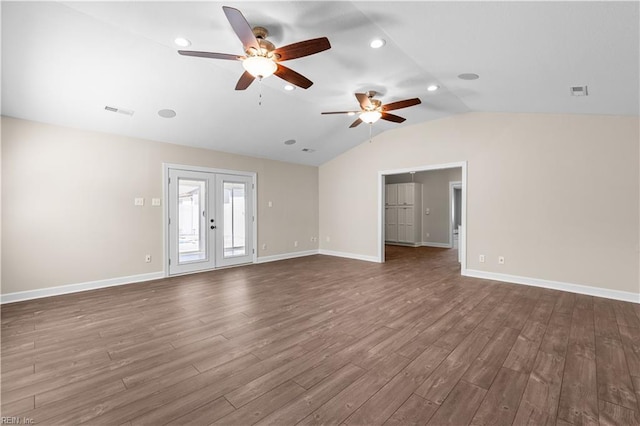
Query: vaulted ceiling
pixel 62 63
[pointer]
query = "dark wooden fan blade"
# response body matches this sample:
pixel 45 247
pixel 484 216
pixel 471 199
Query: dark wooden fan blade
pixel 365 103
pixel 241 27
pixel 302 48
pixel 401 104
pixel 391 117
pixel 340 112
pixel 245 81
pixel 355 123
pixel 293 77
pixel 210 55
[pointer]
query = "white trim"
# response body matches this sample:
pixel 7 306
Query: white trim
pixel 349 255
pixel 75 288
pixel 424 168
pixel 462 237
pixel 285 256
pixel 453 185
pixel 438 245
pixel 556 285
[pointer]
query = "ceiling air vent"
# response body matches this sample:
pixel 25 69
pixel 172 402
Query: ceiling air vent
pixel 578 91
pixel 308 150
pixel 119 110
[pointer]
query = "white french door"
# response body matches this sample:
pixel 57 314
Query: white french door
pixel 210 220
pixel 234 210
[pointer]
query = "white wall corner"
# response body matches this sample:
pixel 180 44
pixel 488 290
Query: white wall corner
pixel 75 288
pixel 555 285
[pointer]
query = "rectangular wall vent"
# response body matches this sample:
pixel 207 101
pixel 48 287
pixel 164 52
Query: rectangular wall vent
pixel 119 110
pixel 579 91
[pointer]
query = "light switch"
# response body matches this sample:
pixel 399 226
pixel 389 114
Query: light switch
pixel 138 202
pixel 270 204
pixel 155 201
pixel 427 211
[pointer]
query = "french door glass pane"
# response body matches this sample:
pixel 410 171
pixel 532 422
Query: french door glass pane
pixel 234 219
pixel 192 242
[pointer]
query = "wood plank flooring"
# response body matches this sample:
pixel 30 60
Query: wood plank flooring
pixel 323 340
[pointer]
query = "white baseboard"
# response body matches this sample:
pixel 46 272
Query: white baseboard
pixel 556 285
pixel 74 288
pixel 438 245
pixel 349 255
pixel 395 243
pixel 284 256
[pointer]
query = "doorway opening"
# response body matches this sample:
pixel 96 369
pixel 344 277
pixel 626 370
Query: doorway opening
pixel 423 207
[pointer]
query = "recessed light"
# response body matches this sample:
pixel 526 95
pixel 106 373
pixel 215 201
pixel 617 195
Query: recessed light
pixel 289 87
pixel 377 43
pixel 182 42
pixel 290 142
pixel 468 76
pixel 433 88
pixel 167 113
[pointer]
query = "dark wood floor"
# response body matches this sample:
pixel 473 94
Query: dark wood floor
pixel 323 340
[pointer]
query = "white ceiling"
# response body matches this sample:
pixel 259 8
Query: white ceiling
pixel 62 63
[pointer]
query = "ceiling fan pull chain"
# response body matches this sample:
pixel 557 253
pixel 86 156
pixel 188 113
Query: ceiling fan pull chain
pixel 260 91
pixel 370 127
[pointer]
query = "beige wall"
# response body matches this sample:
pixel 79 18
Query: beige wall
pixel 67 203
pixel 556 195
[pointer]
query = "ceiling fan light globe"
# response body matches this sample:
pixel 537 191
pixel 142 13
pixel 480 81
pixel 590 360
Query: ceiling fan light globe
pixel 370 116
pixel 259 66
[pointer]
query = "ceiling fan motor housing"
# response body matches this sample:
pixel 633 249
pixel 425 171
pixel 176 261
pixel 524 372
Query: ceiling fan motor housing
pixel 266 47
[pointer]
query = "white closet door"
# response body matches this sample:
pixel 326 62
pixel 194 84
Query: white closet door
pixel 391 224
pixel 402 224
pixel 409 225
pixel 402 194
pixel 391 194
pixel 410 189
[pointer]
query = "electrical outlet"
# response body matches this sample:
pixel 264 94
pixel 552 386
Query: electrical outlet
pixel 295 244
pixel 138 202
pixel 501 260
pixel 155 202
pixel 328 238
pixel 147 258
pixel 482 259
pixel 264 246
pixel 428 235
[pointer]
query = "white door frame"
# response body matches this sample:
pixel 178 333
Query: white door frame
pixel 462 238
pixel 452 186
pixel 165 210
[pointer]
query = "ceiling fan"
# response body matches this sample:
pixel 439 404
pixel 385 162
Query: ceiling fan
pixel 262 58
pixel 372 109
